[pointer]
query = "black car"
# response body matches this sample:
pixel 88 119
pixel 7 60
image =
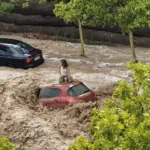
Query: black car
pixel 19 54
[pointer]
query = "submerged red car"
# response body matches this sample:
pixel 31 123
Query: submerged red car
pixel 61 95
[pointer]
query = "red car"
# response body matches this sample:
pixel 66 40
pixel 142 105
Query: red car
pixel 61 95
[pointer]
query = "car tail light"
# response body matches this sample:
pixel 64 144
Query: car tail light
pixel 28 60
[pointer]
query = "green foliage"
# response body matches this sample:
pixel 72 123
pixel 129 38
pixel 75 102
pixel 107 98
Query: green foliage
pixel 5 144
pixel 72 10
pixel 123 123
pixel 20 148
pixel 26 3
pixel 134 14
pixel 127 14
pixel 6 7
pixel 81 144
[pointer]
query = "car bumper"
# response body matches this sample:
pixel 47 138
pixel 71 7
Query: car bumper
pixel 34 64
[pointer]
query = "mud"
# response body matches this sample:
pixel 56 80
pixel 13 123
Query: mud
pixel 26 123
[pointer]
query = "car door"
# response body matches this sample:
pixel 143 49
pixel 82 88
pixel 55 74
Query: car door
pixel 64 99
pixel 13 58
pixel 9 57
pixel 82 92
pixel 3 60
pixel 50 97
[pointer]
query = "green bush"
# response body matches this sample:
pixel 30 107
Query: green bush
pixel 5 144
pixel 123 123
pixel 7 6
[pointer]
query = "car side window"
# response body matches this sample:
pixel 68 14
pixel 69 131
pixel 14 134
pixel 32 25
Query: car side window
pixel 49 92
pixel 2 51
pixel 78 90
pixel 8 51
pixel 5 51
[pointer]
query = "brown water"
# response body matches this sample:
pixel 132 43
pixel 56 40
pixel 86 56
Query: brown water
pixel 27 124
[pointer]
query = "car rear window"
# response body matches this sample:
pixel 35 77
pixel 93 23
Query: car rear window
pixel 18 49
pixel 49 92
pixel 78 90
pixel 26 46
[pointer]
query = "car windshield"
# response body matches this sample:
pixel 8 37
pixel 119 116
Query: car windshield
pixel 49 92
pixel 18 49
pixel 78 90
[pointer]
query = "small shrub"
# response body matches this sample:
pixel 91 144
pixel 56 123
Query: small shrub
pixel 5 144
pixel 20 148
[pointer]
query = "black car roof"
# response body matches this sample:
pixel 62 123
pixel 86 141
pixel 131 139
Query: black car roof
pixel 6 44
pixel 9 41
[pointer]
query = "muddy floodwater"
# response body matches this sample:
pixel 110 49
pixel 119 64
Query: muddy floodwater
pixel 26 123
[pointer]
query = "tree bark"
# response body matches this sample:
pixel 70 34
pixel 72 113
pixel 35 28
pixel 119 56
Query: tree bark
pixel 134 59
pixel 81 39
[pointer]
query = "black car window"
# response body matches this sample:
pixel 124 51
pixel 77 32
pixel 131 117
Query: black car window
pixel 49 92
pixel 78 90
pixel 18 50
pixel 8 51
pixel 26 46
pixel 2 52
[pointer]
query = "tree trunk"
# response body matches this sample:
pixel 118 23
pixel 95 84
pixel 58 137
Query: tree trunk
pixel 81 39
pixel 134 59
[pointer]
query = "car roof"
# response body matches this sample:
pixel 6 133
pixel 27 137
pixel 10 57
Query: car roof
pixel 62 85
pixel 9 41
pixel 6 44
